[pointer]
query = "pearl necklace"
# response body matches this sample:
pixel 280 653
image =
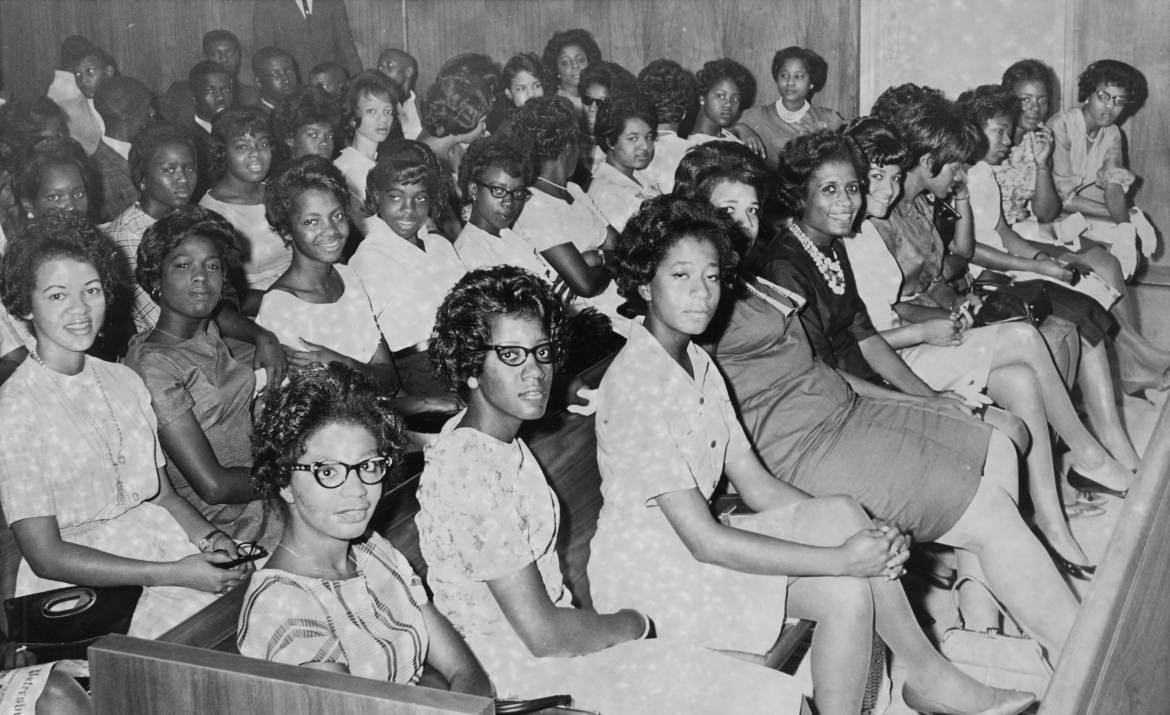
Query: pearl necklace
pixel 830 268
pixel 117 457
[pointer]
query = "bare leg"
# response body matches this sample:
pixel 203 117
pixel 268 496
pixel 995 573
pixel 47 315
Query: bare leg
pixel 843 610
pixel 1101 406
pixel 63 696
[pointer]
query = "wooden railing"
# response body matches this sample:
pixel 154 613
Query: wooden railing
pixel 1115 660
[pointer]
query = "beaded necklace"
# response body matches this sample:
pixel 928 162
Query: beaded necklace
pixel 117 457
pixel 830 268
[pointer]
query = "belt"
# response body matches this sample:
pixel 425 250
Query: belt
pixel 413 349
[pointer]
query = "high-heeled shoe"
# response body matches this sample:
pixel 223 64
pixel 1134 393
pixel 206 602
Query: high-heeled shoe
pixel 1082 572
pixel 1076 480
pixel 1005 702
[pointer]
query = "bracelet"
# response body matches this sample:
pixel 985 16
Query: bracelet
pixel 204 544
pixel 650 631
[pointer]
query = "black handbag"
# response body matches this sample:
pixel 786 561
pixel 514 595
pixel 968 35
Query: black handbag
pixel 1013 302
pixel 61 624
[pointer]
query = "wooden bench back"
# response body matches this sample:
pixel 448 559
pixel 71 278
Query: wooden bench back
pixel 131 676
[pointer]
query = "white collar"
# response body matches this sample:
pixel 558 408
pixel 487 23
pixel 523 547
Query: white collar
pixel 203 123
pixel 791 117
pixel 123 148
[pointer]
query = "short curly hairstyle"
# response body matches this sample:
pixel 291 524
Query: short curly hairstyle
pixel 1118 74
pixel 46 238
pixel 407 162
pixel 715 71
pixel 463 323
pixel 670 88
pixel 370 83
pixel 312 398
pixel 613 115
pixel 49 153
pixel 297 177
pixel 494 153
pixel 818 68
pixel 929 124
pixel 454 105
pixel 707 165
pixel 231 124
pixel 984 103
pixel 660 223
pixel 523 62
pixel 879 142
pixel 475 66
pixel 309 105
pixel 152 138
pixel 161 237
pixel 546 125
pixel 807 153
pixel 23 120
pixel 566 38
pixel 1028 70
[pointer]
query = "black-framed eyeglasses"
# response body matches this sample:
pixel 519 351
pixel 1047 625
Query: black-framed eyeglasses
pixel 1116 101
pixel 332 475
pixel 516 355
pixel 498 192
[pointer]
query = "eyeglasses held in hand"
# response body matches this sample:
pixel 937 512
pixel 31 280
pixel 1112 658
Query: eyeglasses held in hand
pixel 1106 98
pixel 332 475
pixel 498 192
pixel 516 355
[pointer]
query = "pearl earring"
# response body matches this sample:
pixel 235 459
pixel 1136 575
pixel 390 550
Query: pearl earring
pixel 473 382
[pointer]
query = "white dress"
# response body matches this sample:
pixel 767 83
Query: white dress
pixel 346 326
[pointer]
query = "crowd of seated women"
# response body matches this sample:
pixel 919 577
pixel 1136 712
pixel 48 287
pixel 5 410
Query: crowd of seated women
pixel 222 327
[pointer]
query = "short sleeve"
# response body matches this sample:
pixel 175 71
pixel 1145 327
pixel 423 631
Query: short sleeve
pixel 168 389
pixel 473 518
pixel 142 395
pixel 398 566
pixel 1063 175
pixel 283 622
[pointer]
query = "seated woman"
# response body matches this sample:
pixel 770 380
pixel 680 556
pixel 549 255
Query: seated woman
pixel 369 118
pixel 672 91
pixel 599 82
pixel 55 178
pixel 81 474
pixel 1088 161
pixel 242 156
pixel 1030 200
pixel 201 395
pixel 305 123
pixel 454 114
pixel 936 472
pixel 799 73
pixel 725 86
pixel 495 176
pixel 625 131
pixel 405 268
pixel 52 691
pixel 566 54
pixel 667 432
pixel 497 341
pixel 521 79
pixel 24 122
pixel 335 596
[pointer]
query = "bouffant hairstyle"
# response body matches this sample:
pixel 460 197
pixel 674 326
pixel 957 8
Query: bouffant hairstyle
pixel 670 88
pixel 312 398
pixel 1029 70
pixel 152 138
pixel 660 223
pixel 297 177
pixel 611 75
pixel 493 153
pixel 561 40
pixel 454 105
pixel 23 120
pixel 523 62
pixel 879 142
pixel 309 105
pixel 475 66
pixel 984 103
pixel 46 154
pixel 46 238
pixel 715 71
pixel 707 165
pixel 929 124
pixel 161 237
pixel 463 324
pixel 818 69
pixel 229 125
pixel 546 125
pixel 1116 73
pixel 805 154
pixel 369 83
pixel 613 115
pixel 406 162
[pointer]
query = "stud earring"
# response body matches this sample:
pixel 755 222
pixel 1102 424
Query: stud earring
pixel 473 382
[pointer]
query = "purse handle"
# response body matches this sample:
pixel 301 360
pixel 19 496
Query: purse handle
pixel 1002 609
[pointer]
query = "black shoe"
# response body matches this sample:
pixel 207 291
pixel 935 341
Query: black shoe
pixel 1083 572
pixel 1076 480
